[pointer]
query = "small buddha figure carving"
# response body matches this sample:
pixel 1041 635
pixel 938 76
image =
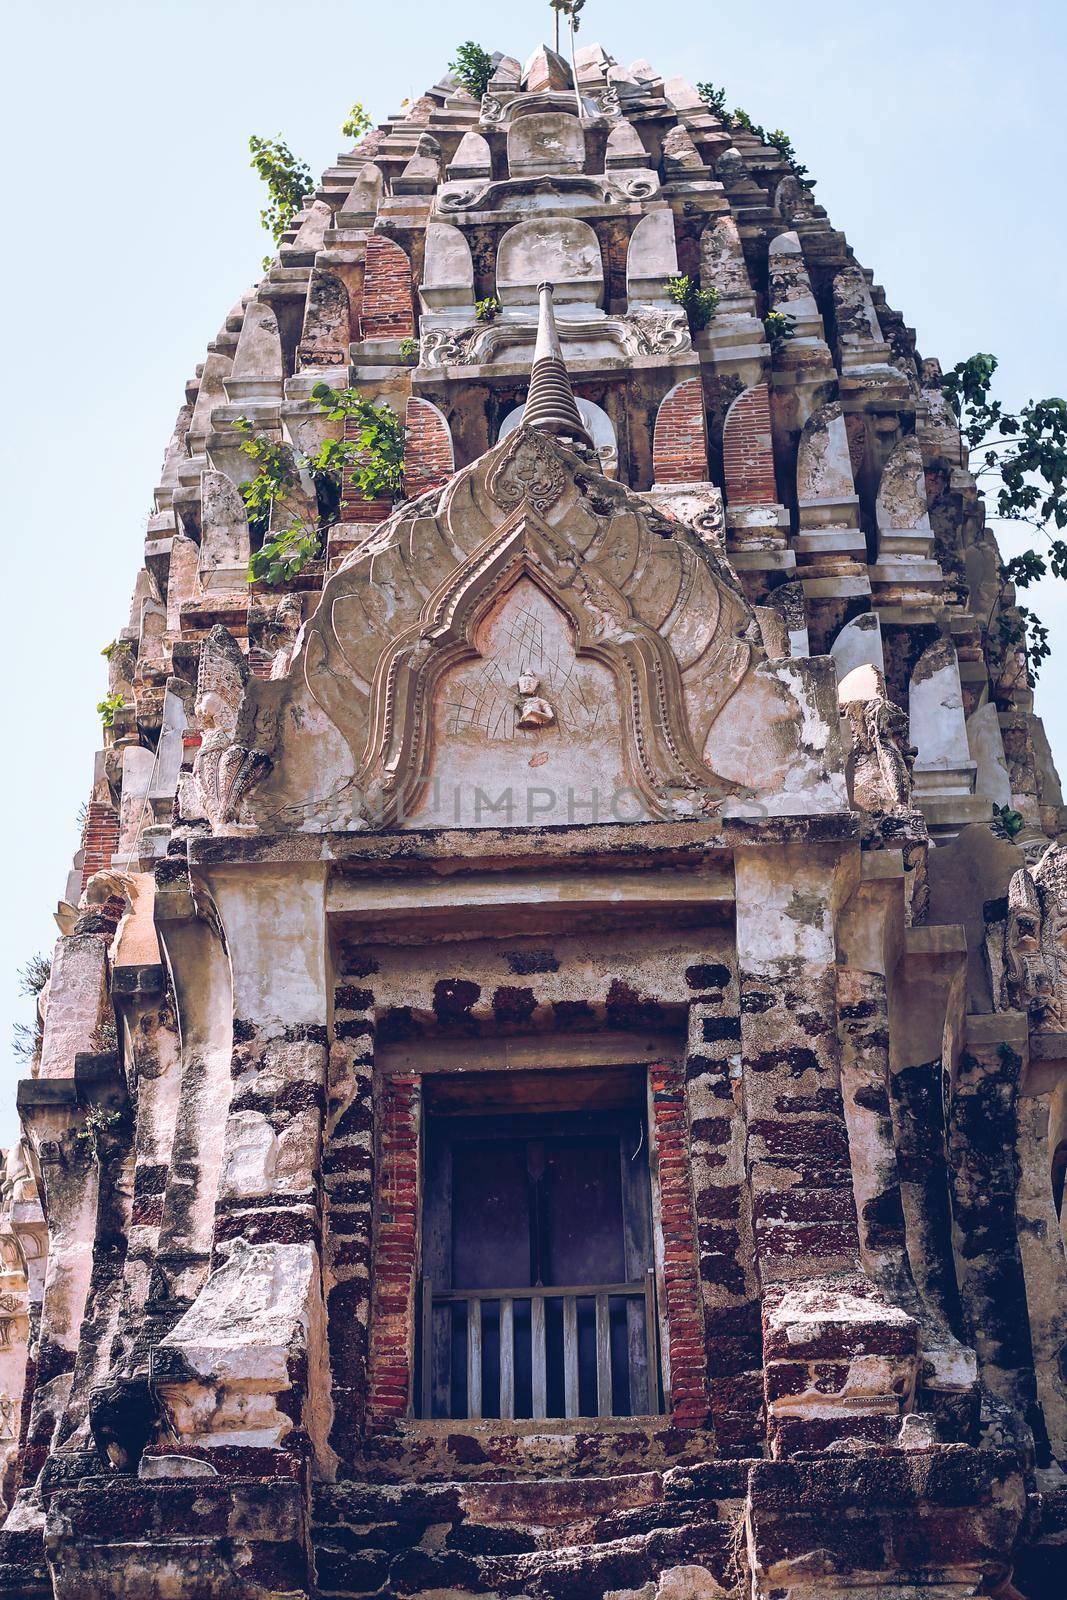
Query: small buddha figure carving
pixel 534 710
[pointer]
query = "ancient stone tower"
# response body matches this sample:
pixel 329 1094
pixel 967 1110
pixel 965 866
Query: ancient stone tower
pixel 552 1085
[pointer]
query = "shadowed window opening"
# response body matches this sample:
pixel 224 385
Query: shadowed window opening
pixel 537 1291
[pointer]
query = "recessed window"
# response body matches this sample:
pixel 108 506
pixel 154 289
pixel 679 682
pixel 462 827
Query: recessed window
pixel 538 1293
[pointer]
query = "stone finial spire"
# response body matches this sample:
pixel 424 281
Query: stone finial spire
pixel 550 404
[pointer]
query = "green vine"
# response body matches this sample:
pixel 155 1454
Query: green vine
pixel 409 352
pixel 487 310
pixel 698 304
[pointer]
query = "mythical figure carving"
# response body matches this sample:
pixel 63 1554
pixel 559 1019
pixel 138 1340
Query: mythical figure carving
pixel 879 765
pixel 452 347
pixel 658 332
pixel 1028 950
pixel 492 108
pixel 231 758
pixel 529 470
pixel 607 101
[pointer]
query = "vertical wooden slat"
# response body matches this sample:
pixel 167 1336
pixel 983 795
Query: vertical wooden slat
pixel 507 1357
pixel 650 1341
pixel 603 1357
pixel 474 1359
pixel 570 1355
pixel 427 1348
pixel 540 1364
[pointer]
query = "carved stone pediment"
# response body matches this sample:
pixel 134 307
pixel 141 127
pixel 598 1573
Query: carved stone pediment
pixel 532 626
pixel 528 564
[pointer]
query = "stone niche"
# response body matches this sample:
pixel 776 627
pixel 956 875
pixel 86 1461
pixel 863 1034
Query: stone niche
pixel 546 142
pixel 448 270
pixel 562 251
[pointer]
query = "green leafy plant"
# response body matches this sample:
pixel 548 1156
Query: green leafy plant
pixel 109 708
pixel 288 182
pixel 1022 453
pixel 486 310
pixel 779 329
pixel 409 352
pixel 472 68
pixel 101 1135
pixel 1006 822
pixel 698 304
pixel 374 460
pixel 714 98
pixel 278 473
pixel 284 555
pixel 1019 459
pixel 784 145
pixel 357 124
pixel 370 459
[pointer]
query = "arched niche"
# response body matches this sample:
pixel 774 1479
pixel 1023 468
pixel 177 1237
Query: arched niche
pixel 559 250
pixel 448 270
pixel 601 430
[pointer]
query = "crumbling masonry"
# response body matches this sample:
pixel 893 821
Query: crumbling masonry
pixel 552 1085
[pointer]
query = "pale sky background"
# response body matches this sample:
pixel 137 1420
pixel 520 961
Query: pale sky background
pixel 935 129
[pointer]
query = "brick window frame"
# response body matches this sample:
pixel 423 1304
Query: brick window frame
pixel 395 1255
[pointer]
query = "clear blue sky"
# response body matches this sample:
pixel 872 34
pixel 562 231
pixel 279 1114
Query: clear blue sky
pixel 935 129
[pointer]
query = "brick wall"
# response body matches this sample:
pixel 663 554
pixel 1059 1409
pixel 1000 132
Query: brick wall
pixel 685 1331
pixel 100 839
pixel 428 458
pixel 747 454
pixel 728 1284
pixel 388 307
pixel 392 1334
pixel 680 442
pixel 348 1180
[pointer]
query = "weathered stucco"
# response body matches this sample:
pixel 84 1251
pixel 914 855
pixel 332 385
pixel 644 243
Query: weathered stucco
pixel 635 771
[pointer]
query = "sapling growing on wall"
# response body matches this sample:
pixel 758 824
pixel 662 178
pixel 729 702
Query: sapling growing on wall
pixel 472 67
pixel 288 182
pixel 370 460
pixel 698 304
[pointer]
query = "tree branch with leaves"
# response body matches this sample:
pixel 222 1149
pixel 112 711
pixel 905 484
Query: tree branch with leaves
pixel 1019 460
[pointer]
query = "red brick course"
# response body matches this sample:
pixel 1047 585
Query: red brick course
pixel 388 303
pixel 683 1312
pixel 680 441
pixel 747 453
pixel 395 1253
pixel 429 461
pixel 100 839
